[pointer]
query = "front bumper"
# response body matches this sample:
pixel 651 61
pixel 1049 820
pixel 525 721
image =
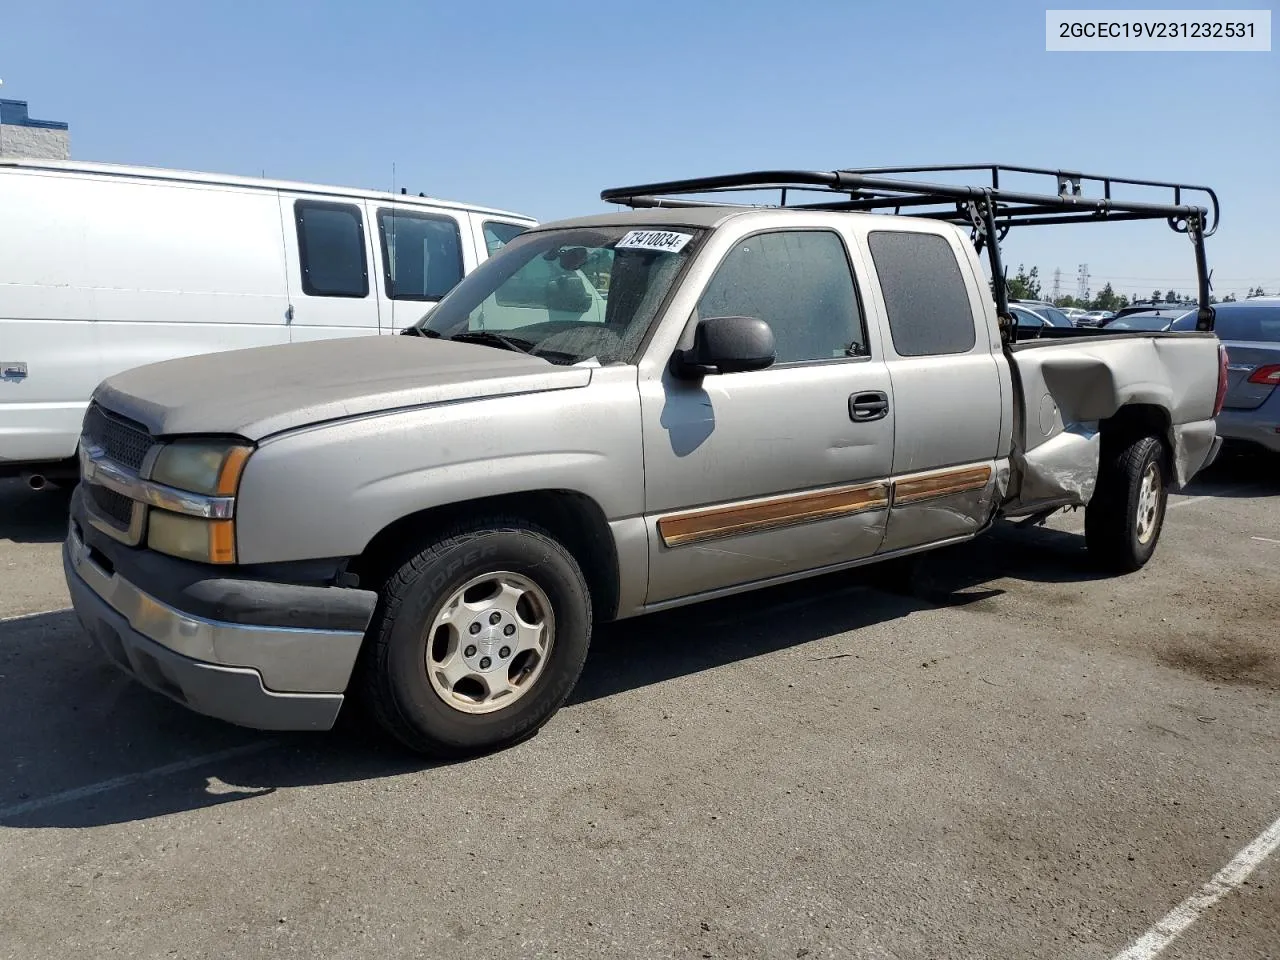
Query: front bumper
pixel 265 677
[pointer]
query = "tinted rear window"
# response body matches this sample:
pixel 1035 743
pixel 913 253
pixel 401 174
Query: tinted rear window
pixel 331 249
pixel 1247 323
pixel 924 293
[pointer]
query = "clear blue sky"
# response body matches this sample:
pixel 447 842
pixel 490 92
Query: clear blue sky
pixel 537 106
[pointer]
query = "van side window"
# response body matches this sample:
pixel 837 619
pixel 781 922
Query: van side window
pixel 924 293
pixel 800 283
pixel 498 234
pixel 331 249
pixel 421 254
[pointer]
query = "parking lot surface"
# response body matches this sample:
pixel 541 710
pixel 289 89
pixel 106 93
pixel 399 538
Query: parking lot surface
pixel 999 754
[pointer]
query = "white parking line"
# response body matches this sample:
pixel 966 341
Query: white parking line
pixel 102 786
pixel 38 613
pixel 1189 910
pixel 1265 539
pixel 1200 498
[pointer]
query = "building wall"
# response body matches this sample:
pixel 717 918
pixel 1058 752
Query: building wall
pixel 27 138
pixel 34 143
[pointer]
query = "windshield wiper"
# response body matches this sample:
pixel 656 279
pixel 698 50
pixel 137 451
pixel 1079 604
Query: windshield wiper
pixel 489 338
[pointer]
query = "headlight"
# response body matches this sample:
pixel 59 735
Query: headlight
pixel 191 538
pixel 209 468
pixel 212 468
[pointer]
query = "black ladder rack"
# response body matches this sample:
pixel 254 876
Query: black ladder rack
pixel 988 208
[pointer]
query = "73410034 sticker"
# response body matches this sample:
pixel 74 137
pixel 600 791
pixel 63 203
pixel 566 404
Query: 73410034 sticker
pixel 663 241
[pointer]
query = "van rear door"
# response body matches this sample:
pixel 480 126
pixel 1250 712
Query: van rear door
pixel 329 260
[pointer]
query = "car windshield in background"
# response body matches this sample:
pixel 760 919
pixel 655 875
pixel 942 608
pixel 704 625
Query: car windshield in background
pixel 1249 322
pixel 569 296
pixel 1055 316
pixel 1028 318
pixel 1141 321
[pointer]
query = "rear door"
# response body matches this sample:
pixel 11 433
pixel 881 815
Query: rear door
pixel 946 385
pixel 756 475
pixel 329 262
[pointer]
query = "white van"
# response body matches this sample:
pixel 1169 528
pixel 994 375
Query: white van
pixel 106 267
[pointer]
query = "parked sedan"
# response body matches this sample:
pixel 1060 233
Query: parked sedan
pixel 1250 330
pixel 1094 318
pixel 1055 317
pixel 1030 320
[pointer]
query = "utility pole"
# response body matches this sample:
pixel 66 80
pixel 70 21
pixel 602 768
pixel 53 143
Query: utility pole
pixel 1082 282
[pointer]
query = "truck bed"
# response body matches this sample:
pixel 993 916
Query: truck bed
pixel 1066 386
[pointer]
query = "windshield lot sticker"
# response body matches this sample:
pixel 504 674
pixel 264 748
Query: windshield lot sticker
pixel 664 241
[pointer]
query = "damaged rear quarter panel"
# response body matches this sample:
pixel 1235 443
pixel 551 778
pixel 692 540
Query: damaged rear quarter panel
pixel 1067 387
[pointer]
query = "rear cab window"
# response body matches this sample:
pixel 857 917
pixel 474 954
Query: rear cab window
pixel 926 301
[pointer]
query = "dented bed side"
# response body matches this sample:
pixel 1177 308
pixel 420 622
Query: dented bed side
pixel 1066 392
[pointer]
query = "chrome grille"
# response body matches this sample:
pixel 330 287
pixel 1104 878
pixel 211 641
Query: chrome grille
pixel 123 440
pixel 115 506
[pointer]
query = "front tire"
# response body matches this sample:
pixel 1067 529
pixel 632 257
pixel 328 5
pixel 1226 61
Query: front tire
pixel 1123 520
pixel 478 640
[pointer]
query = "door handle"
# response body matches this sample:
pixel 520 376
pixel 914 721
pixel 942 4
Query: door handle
pixel 868 406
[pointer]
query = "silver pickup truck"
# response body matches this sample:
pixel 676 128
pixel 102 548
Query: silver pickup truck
pixel 615 415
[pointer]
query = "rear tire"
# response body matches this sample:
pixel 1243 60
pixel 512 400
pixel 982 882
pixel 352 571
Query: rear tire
pixel 477 640
pixel 1123 520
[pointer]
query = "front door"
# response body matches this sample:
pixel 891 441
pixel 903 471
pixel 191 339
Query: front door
pixel 756 475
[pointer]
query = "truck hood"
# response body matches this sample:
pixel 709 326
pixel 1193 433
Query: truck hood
pixel 261 391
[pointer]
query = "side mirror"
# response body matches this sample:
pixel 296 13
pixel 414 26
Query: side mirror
pixel 725 345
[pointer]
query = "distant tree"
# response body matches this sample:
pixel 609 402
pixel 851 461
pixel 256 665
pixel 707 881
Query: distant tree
pixel 1106 299
pixel 1066 302
pixel 1025 284
pixel 1212 298
pixel 1155 296
pixel 1257 292
pixel 1122 302
pixel 1229 298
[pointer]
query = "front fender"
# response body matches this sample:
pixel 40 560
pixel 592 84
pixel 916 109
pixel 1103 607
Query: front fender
pixel 327 490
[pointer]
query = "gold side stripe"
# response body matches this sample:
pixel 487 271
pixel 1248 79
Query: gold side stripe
pixel 714 522
pixel 940 485
pixel 709 524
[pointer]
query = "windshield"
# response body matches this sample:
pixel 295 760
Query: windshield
pixel 1138 321
pixel 569 296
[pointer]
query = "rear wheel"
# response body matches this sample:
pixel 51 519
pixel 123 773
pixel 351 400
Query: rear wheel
pixel 478 640
pixel 1124 518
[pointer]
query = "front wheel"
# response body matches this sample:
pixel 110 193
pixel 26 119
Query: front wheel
pixel 478 640
pixel 1123 520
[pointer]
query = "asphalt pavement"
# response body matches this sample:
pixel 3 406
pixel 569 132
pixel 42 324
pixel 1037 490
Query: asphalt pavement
pixel 997 755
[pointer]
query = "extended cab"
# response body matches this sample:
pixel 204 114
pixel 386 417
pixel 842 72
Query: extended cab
pixel 614 415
